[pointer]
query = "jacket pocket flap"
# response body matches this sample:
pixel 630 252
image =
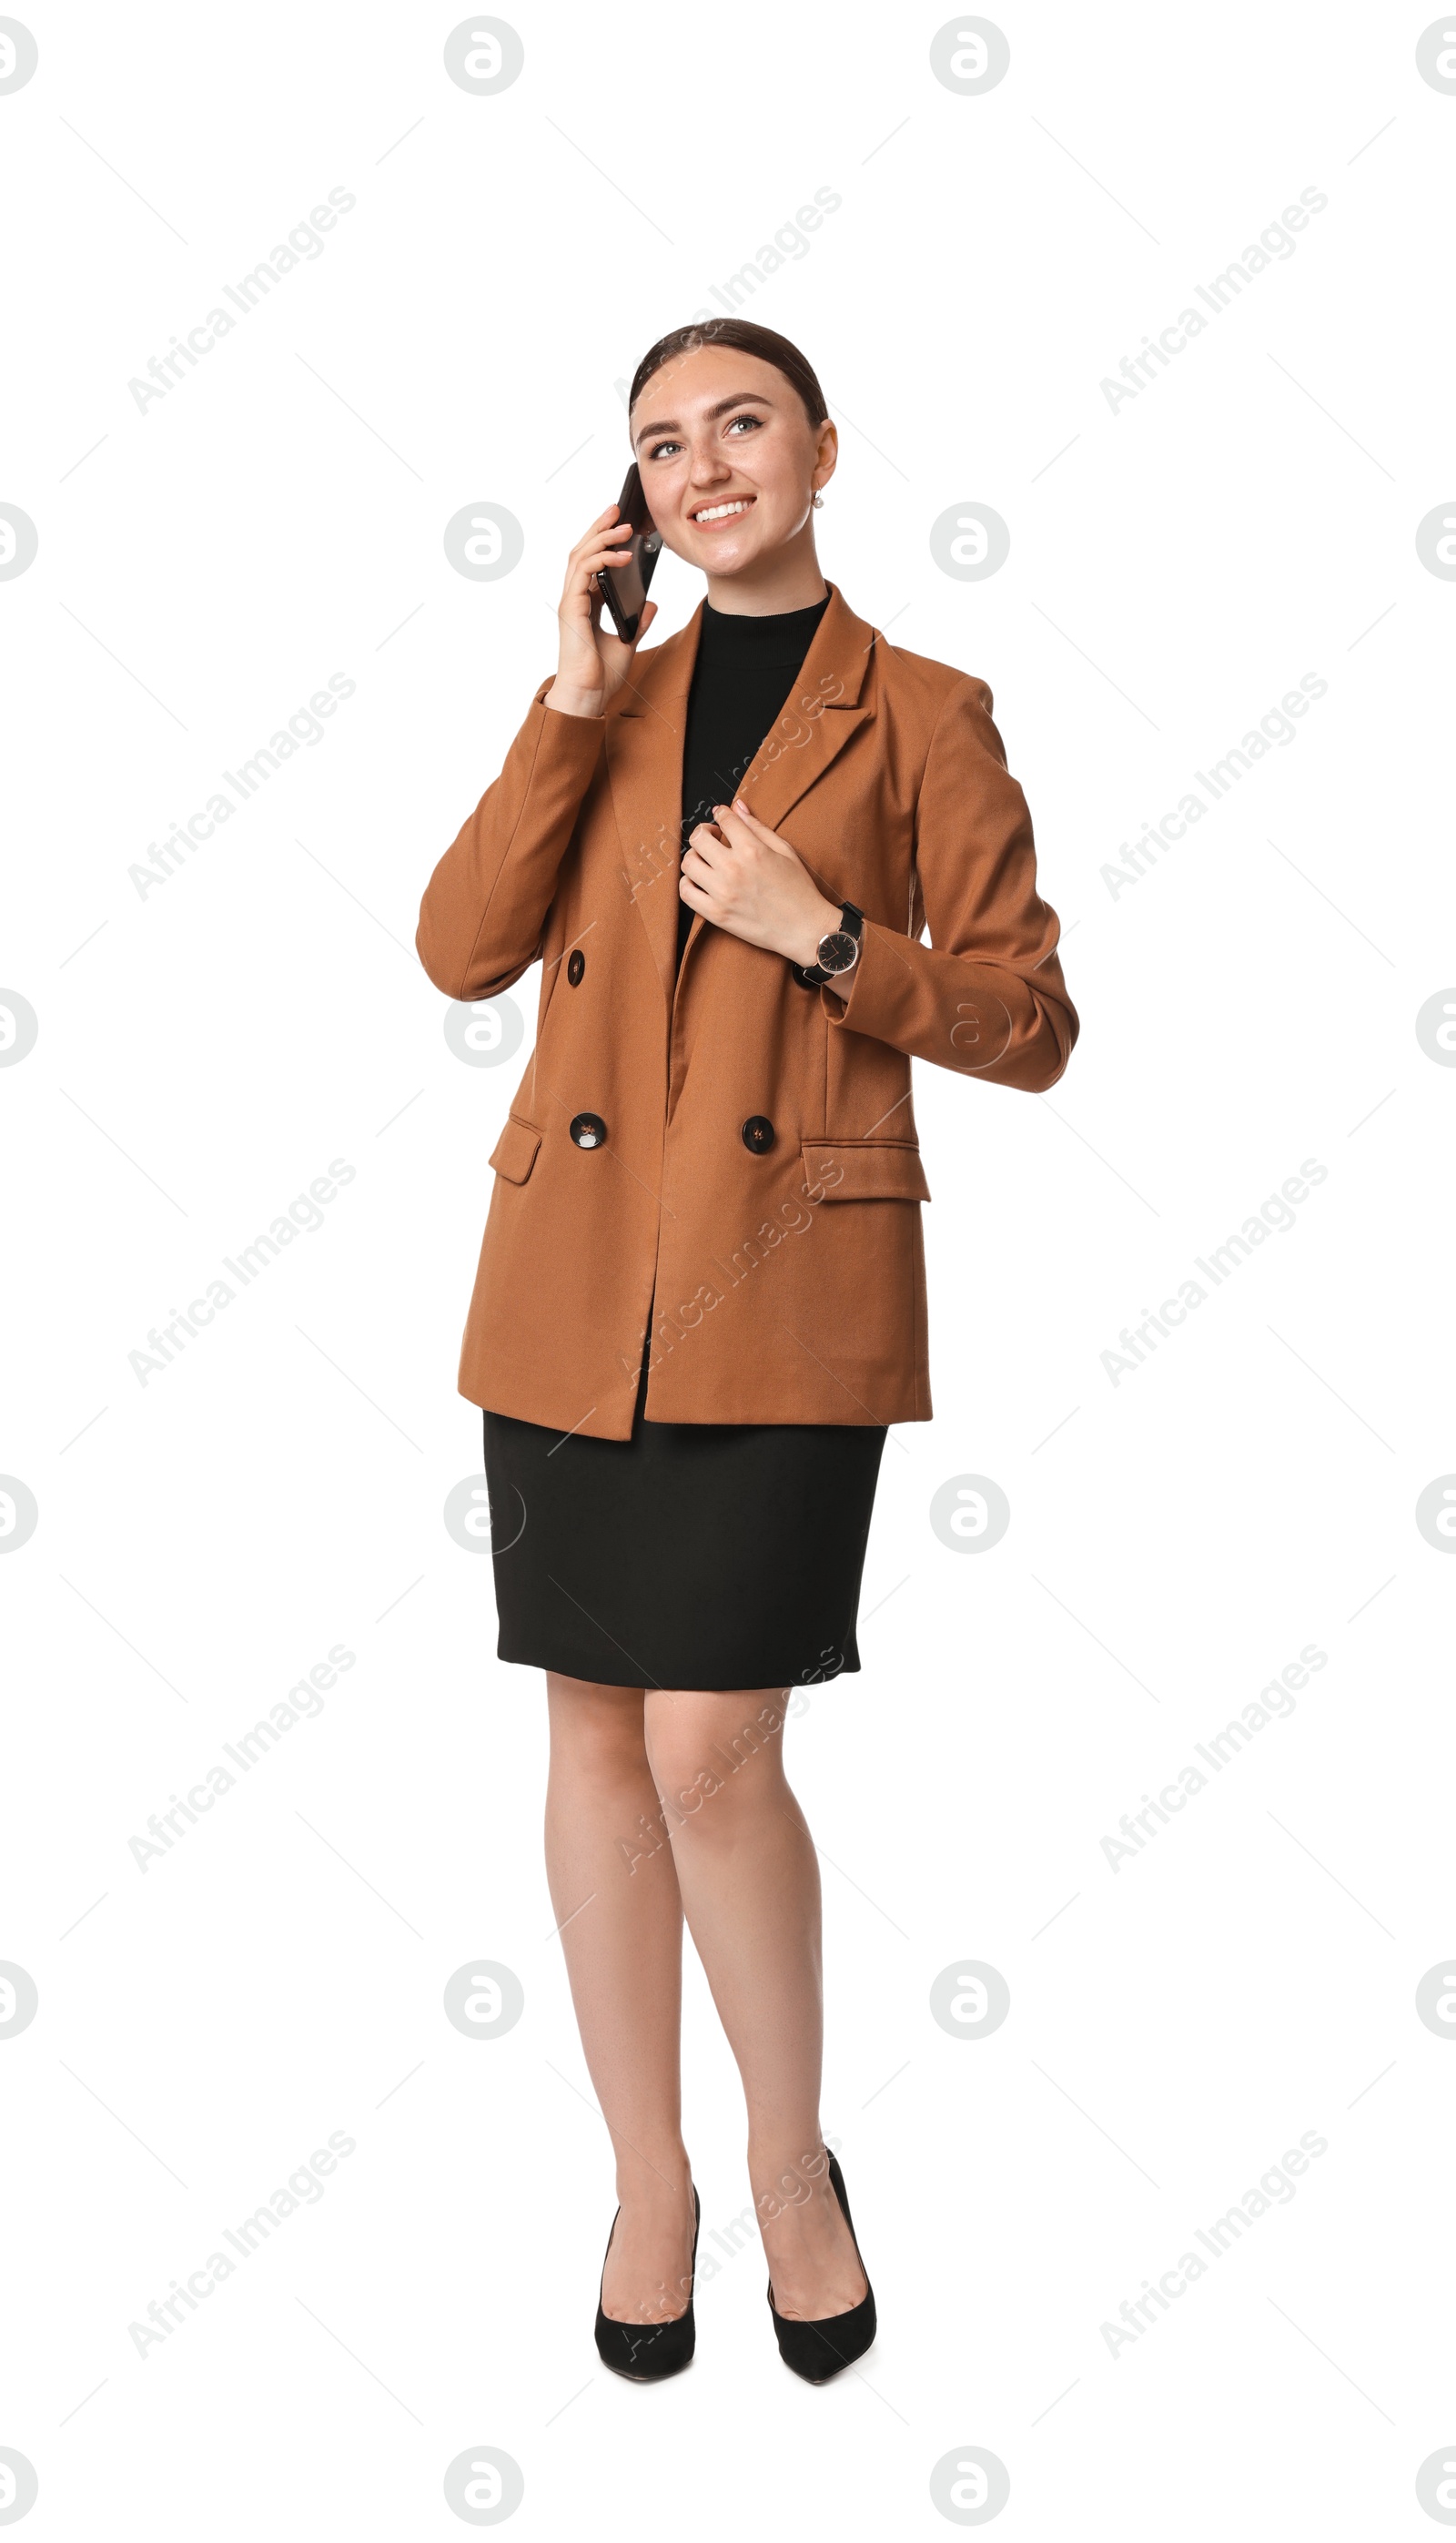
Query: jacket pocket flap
pixel 866 1169
pixel 515 1152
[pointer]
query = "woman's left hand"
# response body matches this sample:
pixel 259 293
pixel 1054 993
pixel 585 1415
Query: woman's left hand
pixel 749 882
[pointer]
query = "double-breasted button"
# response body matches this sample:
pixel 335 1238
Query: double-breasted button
pixel 575 965
pixel 589 1129
pixel 758 1133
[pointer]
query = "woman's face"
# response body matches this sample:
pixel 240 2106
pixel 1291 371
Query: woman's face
pixel 729 461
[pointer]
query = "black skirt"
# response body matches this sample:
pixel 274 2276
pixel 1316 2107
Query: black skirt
pixel 692 1554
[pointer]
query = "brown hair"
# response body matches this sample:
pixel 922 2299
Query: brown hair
pixel 743 336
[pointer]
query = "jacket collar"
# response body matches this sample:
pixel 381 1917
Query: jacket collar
pixel 646 728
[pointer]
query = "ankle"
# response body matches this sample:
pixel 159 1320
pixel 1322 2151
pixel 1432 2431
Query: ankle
pixel 663 2181
pixel 786 2177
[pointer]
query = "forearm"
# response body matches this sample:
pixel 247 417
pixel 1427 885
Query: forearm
pixel 1013 1024
pixel 485 906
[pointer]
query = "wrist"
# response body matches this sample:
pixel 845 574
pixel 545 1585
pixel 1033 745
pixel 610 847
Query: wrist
pixel 821 922
pixel 568 700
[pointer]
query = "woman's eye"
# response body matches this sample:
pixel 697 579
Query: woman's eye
pixel 670 449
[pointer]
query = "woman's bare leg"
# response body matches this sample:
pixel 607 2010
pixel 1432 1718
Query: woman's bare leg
pixel 614 1887
pixel 749 1881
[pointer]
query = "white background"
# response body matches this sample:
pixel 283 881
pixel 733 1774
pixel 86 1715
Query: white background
pixel 204 1052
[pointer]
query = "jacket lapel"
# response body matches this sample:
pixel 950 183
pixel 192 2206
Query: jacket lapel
pixel 644 745
pixel 822 710
pixel 645 756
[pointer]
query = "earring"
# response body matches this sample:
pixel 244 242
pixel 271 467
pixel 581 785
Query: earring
pixel 818 503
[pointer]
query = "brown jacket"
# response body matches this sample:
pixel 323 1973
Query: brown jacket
pixel 759 1169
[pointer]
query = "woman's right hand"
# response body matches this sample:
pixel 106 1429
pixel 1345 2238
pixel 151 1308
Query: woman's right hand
pixel 593 662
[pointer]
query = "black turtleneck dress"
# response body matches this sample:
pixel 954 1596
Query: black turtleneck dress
pixel 693 1554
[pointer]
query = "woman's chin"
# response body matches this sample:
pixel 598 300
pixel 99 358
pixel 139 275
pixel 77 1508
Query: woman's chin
pixel 731 558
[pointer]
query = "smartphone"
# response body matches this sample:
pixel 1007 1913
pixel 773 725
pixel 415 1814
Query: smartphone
pixel 624 587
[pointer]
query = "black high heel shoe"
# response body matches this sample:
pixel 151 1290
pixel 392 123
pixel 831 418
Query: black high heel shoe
pixel 818 2349
pixel 645 2352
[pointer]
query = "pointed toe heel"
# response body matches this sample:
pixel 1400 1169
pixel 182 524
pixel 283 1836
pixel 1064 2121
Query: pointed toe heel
pixel 646 2352
pixel 817 2351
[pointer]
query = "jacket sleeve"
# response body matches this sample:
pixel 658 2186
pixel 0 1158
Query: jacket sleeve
pixel 485 906
pixel 986 996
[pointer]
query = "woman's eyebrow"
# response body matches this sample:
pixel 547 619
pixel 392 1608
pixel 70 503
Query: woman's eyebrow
pixel 709 414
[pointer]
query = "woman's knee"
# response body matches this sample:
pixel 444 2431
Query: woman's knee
pixel 702 1748
pixel 598 1729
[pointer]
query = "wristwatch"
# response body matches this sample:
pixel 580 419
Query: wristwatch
pixel 839 951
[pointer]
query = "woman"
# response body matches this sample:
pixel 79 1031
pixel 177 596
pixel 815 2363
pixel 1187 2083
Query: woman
pixel 701 1293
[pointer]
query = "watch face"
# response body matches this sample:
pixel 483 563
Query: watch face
pixel 838 950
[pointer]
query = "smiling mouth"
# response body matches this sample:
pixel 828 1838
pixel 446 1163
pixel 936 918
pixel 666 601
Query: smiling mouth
pixel 710 514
